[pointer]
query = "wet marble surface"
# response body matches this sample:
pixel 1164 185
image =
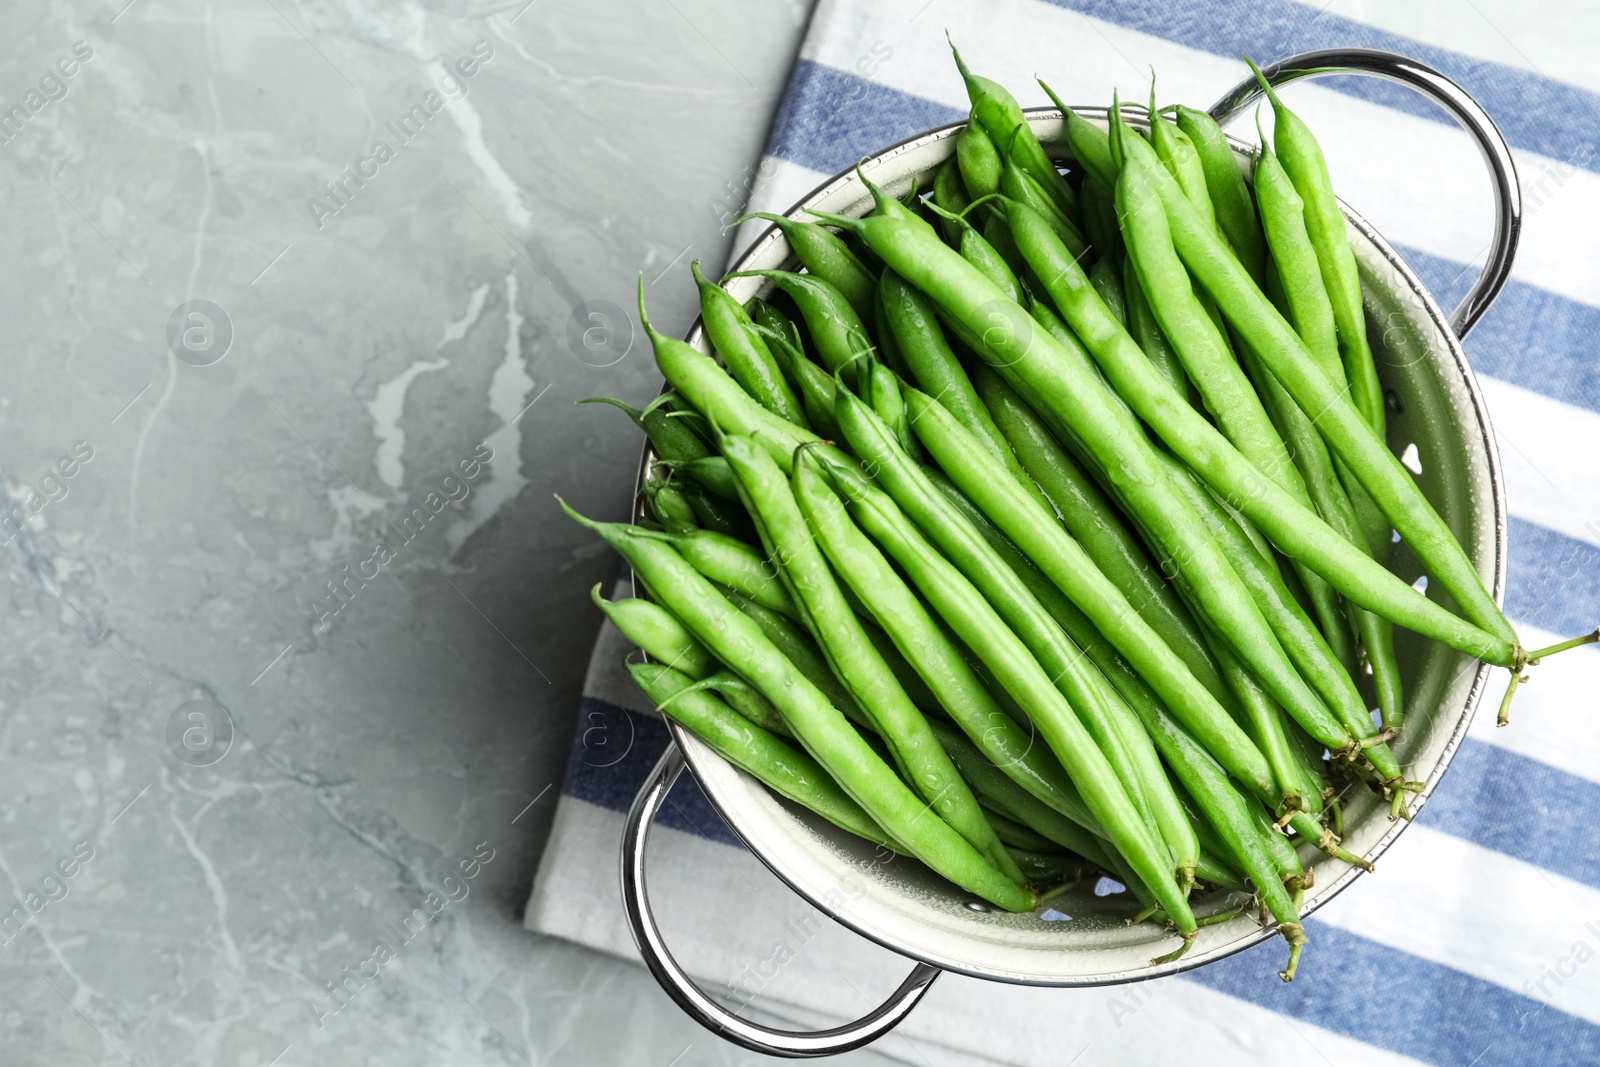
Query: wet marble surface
pixel 295 295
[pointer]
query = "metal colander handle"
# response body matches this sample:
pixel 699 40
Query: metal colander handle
pixel 682 989
pixel 1394 67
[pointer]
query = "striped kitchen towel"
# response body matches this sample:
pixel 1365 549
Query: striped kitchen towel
pixel 1478 941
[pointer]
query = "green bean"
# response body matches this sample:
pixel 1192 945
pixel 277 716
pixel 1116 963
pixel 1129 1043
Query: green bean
pixel 1047 868
pixel 1146 332
pixel 1302 159
pixel 744 698
pixel 1343 502
pixel 1268 726
pixel 1090 517
pixel 764 314
pixel 1225 387
pixel 994 231
pixel 837 332
pixel 715 514
pixel 1015 835
pixel 670 507
pixel 888 347
pixel 1091 146
pixel 1283 854
pixel 1311 453
pixel 1107 281
pixel 979 161
pixel 1041 313
pixel 712 472
pixel 1093 521
pixel 1287 227
pixel 1112 725
pixel 912 249
pixel 1003 278
pixel 1213 866
pixel 977 250
pixel 1294 258
pixel 1488 635
pixel 987 679
pixel 840 635
pixel 672 439
pixel 1001 115
pixel 1303 298
pixel 1291 526
pixel 822 253
pixel 912 199
pixel 736 565
pixel 1100 220
pixel 1002 793
pixel 928 648
pixel 1018 147
pixel 825 733
pixel 904 672
pixel 1230 197
pixel 884 396
pixel 1178 747
pixel 1213 568
pixel 799 648
pixel 934 366
pixel 974 620
pixel 950 193
pixel 1233 816
pixel 1221 802
pixel 1016 184
pixel 815 384
pixel 709 389
pixel 760 753
pixel 1204 351
pixel 1177 153
pixel 1056 467
pixel 1297 635
pixel 1260 779
pixel 1052 552
pixel 1219 872
pixel 654 629
pixel 735 337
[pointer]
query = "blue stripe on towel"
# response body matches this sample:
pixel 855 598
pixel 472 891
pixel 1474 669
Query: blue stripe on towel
pixel 613 750
pixel 828 119
pixel 1550 579
pixel 1530 337
pixel 1535 113
pixel 1397 1001
pixel 1522 808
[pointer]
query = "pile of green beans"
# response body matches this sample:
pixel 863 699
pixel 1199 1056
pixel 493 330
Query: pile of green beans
pixel 1037 527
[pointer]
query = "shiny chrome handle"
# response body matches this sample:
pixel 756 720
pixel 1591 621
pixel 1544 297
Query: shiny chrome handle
pixel 681 988
pixel 1391 66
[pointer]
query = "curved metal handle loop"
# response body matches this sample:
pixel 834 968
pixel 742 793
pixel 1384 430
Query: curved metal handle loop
pixel 1391 66
pixel 681 988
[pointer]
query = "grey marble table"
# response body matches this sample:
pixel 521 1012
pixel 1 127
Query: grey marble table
pixel 295 296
